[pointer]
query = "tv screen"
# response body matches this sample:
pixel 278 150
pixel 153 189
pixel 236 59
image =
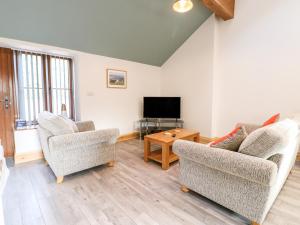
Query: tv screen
pixel 162 107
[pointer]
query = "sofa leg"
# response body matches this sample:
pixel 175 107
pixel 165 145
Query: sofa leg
pixel 111 163
pixel 59 179
pixel 184 189
pixel 254 223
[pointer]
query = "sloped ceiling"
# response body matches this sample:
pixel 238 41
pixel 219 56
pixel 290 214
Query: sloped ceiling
pixel 146 31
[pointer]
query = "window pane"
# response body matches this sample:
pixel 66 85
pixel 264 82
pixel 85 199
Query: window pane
pixel 60 80
pixel 26 104
pixel 54 101
pixel 41 99
pixel 30 86
pixel 53 73
pixel 68 102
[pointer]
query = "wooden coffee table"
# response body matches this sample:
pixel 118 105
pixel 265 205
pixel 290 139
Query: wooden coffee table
pixel 165 156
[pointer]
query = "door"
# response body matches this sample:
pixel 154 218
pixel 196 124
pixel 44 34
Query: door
pixel 7 107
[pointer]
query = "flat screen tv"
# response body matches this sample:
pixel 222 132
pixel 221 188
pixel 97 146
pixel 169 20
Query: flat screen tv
pixel 162 107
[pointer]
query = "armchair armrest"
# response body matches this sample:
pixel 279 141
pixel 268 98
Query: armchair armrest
pixel 82 139
pixel 85 126
pixel 248 167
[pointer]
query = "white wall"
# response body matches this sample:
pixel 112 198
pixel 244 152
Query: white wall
pixel 107 107
pixel 245 69
pixel 189 74
pixel 27 141
pixel 258 63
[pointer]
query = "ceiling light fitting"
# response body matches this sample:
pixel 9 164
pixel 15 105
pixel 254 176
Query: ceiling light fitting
pixel 182 6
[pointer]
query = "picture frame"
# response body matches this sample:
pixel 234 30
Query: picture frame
pixel 116 78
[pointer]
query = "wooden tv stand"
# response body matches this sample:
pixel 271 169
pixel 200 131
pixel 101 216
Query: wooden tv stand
pixel 150 125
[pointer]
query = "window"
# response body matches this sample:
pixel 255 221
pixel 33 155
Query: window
pixel 44 82
pixel 31 90
pixel 61 85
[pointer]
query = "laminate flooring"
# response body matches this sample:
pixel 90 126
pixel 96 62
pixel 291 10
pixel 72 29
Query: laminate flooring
pixel 130 193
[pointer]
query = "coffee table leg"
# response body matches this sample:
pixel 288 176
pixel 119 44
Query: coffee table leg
pixel 146 149
pixel 165 156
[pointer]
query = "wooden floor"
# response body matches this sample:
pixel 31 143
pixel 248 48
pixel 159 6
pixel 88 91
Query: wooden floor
pixel 132 192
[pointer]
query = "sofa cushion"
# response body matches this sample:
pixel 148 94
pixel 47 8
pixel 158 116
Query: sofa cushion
pixel 277 158
pixel 57 125
pixel 272 120
pixel 231 141
pixel 269 140
pixel 248 127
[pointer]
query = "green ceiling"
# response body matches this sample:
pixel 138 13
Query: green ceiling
pixel 146 31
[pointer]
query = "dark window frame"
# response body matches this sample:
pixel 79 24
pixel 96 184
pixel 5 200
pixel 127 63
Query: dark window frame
pixel 46 76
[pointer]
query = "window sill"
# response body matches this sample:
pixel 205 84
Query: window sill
pixel 26 128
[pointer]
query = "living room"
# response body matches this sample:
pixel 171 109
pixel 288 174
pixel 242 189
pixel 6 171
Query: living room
pixel 230 64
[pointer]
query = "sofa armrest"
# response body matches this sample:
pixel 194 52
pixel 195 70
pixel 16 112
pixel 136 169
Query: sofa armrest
pixel 248 167
pixel 85 126
pixel 248 127
pixel 81 140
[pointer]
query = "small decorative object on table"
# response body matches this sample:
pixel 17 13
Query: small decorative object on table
pixel 116 78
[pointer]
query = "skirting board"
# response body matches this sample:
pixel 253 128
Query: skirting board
pixel 129 136
pixel 28 156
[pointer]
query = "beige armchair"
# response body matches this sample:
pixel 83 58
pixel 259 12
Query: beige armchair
pixel 69 149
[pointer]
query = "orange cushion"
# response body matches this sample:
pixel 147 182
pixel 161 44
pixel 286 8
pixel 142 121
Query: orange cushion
pixel 272 120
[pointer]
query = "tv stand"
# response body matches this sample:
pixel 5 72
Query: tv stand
pixel 151 125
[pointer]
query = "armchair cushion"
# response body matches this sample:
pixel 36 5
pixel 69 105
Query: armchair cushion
pixel 85 126
pixel 57 125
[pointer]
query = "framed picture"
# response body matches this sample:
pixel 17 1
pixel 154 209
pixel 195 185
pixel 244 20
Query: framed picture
pixel 116 78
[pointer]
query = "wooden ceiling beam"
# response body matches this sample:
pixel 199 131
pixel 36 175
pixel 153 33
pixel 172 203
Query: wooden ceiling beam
pixel 222 8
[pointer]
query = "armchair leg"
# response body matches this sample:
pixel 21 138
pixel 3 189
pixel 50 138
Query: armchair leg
pixel 184 189
pixel 111 163
pixel 254 223
pixel 59 179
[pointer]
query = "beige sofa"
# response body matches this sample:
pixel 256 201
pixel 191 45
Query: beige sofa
pixel 70 147
pixel 243 183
